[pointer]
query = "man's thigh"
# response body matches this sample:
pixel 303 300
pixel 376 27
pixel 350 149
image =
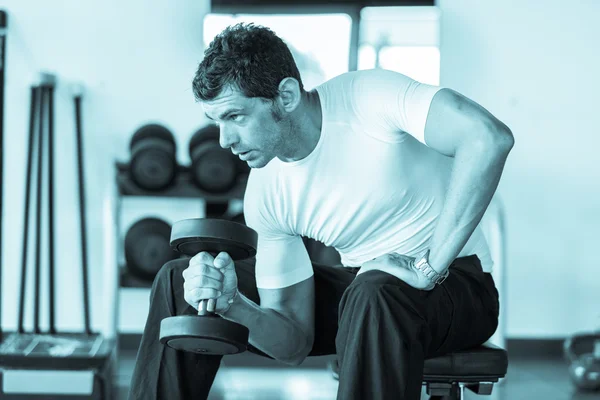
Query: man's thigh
pixel 460 313
pixel 474 306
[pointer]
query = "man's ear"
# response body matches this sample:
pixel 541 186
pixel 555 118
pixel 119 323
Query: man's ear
pixel 290 94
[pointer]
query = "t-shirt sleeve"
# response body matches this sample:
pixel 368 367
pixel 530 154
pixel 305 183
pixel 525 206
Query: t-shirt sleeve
pixel 281 258
pixel 390 104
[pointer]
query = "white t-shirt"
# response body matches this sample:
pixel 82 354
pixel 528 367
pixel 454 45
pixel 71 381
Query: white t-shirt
pixel 370 187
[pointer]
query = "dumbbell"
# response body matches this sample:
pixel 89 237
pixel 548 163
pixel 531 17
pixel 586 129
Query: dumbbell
pixel 583 355
pixel 147 247
pixel 214 169
pixel 207 332
pixel 153 160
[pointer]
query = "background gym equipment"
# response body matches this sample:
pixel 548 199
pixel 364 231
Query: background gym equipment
pixel 65 363
pixel 226 211
pixel 217 209
pixel 214 169
pixel 582 352
pixel 153 162
pixel 239 218
pixel 3 20
pixel 147 247
pixel 208 333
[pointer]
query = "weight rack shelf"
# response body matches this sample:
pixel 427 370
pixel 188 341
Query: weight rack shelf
pixel 183 186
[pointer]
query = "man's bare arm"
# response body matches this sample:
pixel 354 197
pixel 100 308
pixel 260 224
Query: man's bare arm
pixel 479 143
pixel 283 325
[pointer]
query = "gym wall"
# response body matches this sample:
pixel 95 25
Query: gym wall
pixel 535 66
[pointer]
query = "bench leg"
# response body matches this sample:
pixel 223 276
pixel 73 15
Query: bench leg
pixel 444 391
pixel 448 391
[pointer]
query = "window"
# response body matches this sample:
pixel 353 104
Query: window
pixel 402 39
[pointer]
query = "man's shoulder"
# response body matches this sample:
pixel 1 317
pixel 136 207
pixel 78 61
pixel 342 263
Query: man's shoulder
pixel 373 73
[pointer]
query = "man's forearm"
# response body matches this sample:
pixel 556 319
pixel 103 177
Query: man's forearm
pixel 271 332
pixel 477 169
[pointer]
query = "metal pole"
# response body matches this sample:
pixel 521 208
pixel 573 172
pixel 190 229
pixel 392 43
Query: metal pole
pixel 3 18
pixel 35 98
pixel 38 212
pixel 50 91
pixel 82 219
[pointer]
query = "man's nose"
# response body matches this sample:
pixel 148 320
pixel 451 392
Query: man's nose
pixel 227 138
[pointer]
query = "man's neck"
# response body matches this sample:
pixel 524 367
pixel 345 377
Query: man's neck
pixel 305 129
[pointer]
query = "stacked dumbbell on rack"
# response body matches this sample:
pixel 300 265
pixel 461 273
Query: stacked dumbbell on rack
pixel 214 177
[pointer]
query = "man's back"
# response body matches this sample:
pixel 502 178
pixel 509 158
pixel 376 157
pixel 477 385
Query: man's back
pixel 367 188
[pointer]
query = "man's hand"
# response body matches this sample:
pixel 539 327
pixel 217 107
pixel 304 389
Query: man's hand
pixel 210 278
pixel 402 267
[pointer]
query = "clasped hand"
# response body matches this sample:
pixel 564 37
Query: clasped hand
pixel 402 267
pixel 210 278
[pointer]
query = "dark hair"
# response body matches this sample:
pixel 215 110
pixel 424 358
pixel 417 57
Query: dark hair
pixel 250 58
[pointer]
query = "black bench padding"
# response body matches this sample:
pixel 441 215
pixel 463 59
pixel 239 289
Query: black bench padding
pixel 485 361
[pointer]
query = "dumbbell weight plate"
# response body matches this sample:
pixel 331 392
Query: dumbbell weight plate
pixel 214 169
pixel 153 165
pixel 206 334
pixel 192 236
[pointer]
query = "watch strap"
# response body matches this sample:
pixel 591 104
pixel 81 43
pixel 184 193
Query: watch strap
pixel 423 265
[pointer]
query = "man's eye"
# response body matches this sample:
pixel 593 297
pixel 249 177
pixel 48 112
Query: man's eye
pixel 235 117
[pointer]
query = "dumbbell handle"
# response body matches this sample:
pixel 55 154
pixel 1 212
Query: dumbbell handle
pixel 203 307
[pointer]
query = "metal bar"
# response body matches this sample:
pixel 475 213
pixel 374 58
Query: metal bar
pixel 38 227
pixel 35 94
pixel 52 327
pixel 82 219
pixel 2 69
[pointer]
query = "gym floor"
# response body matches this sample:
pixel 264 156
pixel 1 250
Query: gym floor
pixel 247 376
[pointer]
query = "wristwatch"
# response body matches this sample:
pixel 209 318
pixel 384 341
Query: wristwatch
pixel 422 265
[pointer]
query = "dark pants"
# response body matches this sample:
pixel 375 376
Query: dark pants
pixel 381 329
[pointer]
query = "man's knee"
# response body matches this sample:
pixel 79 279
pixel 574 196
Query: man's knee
pixel 170 273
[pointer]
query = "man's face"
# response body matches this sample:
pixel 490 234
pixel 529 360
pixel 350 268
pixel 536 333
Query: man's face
pixel 251 127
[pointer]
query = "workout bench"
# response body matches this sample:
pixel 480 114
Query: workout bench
pixel 446 377
pixel 476 369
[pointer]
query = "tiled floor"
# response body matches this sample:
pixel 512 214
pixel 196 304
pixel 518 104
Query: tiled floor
pixel 250 377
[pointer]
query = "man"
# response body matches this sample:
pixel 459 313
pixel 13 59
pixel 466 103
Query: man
pixel 394 174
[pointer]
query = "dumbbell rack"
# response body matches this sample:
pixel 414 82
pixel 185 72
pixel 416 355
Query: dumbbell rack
pixel 133 293
pixel 183 186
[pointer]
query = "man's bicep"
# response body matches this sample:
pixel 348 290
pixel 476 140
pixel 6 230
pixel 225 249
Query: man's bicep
pixel 454 119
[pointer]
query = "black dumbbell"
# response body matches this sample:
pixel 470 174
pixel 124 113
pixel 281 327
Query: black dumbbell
pixel 207 333
pixel 214 169
pixel 147 247
pixel 153 159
